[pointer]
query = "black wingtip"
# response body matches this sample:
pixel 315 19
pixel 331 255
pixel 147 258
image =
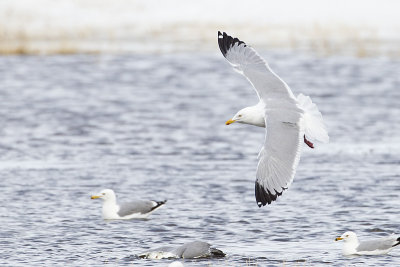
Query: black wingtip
pixel 217 253
pixel 159 204
pixel 264 197
pixel 398 242
pixel 225 42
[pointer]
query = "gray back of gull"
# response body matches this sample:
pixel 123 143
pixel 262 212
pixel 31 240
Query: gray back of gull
pixel 137 206
pixel 376 244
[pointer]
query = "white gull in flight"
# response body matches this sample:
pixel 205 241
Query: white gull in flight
pixel 371 247
pixel 138 209
pixel 289 120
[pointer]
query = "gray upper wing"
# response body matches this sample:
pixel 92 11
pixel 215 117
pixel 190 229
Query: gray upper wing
pixel 138 206
pixel 377 244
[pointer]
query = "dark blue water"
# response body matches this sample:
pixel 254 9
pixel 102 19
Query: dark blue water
pixel 152 127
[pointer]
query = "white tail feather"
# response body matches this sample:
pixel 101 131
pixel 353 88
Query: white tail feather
pixel 315 129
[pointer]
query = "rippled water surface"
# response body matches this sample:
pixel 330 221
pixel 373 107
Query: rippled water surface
pixel 152 127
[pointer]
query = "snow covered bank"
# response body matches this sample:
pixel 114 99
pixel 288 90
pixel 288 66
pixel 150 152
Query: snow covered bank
pixel 357 27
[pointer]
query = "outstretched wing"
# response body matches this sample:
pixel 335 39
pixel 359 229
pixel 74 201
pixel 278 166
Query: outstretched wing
pixel 280 155
pixel 246 61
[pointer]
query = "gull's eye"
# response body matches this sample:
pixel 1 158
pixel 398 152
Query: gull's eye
pixel 347 235
pixel 103 194
pixel 239 116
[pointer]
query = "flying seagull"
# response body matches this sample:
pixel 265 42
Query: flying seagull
pixel 138 209
pixel 289 120
pixel 371 247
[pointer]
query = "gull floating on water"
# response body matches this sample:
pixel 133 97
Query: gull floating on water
pixel 191 250
pixel 137 209
pixel 371 247
pixel 289 120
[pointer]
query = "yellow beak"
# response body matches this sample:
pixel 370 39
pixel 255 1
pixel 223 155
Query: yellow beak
pixel 94 197
pixel 229 122
pixel 338 238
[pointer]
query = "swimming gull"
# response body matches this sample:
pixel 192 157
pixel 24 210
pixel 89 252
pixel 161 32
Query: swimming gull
pixel 289 120
pixel 125 211
pixel 371 247
pixel 191 250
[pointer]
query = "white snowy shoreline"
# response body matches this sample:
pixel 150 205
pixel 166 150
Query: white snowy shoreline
pixel 361 28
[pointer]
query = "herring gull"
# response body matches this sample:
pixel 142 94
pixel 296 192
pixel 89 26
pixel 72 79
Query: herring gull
pixel 138 209
pixel 289 120
pixel 379 246
pixel 191 250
